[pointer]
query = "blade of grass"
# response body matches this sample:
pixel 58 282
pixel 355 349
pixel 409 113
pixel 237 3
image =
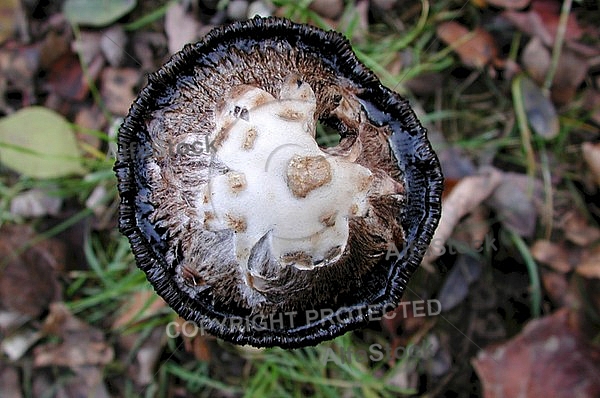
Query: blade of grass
pixel 532 270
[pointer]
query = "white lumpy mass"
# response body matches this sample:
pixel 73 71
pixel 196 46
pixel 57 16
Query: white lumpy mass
pixel 280 185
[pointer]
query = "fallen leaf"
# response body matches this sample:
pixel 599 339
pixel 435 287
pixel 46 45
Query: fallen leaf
pixel 180 26
pixel 330 9
pixel 577 229
pixel 473 230
pixel 88 381
pixel 570 73
pixel 39 143
pixel 146 356
pixel 89 122
pixel 35 203
pixel 556 287
pixel 549 358
pixel 464 197
pixel 510 4
pixel 29 278
pixel 56 43
pixel 97 13
pixel 80 344
pixel 591 155
pixel 475 49
pixel 88 45
pixel 552 254
pixel 113 44
pixel 455 289
pixel 66 79
pixel 455 163
pixel 18 68
pixel 18 343
pixel 118 89
pixel 540 111
pixel 514 201
pixel 142 305
pixel 195 343
pixel 77 346
pixel 542 21
pixel 590 264
pixel 149 49
pixel 536 59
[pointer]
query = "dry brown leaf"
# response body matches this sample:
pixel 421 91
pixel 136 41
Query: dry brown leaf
pixel 195 340
pixel 80 345
pixel 474 229
pixel 88 45
pixel 556 287
pixel 330 9
pixel 66 79
pixel 536 59
pixel 18 68
pixel 466 270
pixel 118 89
pixel 549 358
pixel 570 73
pixel 181 27
pixel 591 155
pixel 142 305
pixel 514 201
pixel 465 197
pixel 540 111
pixel 29 279
pixel 113 44
pixel 73 355
pixel 590 264
pixel 35 203
pixel 89 118
pixel 577 230
pixel 475 49
pixel 54 46
pixel 552 254
pixel 542 21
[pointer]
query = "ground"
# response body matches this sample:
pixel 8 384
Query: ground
pixel 506 302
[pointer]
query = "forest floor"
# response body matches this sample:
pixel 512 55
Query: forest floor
pixel 507 302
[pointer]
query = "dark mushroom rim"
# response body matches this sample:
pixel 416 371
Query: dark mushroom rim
pixel 416 159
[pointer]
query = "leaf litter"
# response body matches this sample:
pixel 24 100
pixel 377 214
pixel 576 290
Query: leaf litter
pixel 68 72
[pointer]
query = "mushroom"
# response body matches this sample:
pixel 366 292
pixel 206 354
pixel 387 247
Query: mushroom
pixel 241 222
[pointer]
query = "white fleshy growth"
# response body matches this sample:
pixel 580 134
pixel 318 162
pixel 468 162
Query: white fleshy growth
pixel 280 182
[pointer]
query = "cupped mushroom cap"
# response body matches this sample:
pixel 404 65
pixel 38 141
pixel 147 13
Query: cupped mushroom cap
pixel 241 222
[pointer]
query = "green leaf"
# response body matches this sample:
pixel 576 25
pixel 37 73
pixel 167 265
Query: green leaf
pixel 97 13
pixel 39 143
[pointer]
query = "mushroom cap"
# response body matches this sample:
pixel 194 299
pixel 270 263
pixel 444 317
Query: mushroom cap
pixel 240 221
